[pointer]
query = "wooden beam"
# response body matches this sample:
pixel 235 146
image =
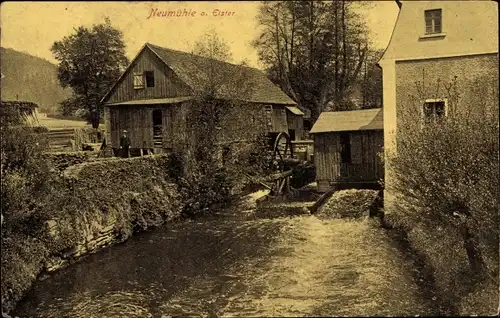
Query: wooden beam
pixel 281 183
pixel 280 175
pixel 258 181
pixel 327 195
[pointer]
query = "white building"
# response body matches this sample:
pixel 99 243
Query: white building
pixel 431 41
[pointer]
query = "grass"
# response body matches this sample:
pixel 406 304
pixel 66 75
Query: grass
pixel 54 123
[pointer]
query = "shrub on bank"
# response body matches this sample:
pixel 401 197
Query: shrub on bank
pixel 25 175
pixel 446 187
pixel 62 160
pixel 123 195
pixel 138 190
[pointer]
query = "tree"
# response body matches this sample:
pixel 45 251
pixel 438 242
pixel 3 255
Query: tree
pixel 90 61
pixel 217 119
pixel 371 80
pixel 313 49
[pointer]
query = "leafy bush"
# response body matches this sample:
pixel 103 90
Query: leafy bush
pixel 175 166
pixel 62 160
pixel 25 174
pixel 221 129
pixel 129 194
pixel 16 112
pixel 446 185
pixel 81 113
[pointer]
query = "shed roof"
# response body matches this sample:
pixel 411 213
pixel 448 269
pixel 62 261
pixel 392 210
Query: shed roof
pixel 354 120
pixel 295 110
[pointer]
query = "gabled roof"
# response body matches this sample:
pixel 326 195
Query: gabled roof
pixel 410 42
pixel 354 120
pixel 190 69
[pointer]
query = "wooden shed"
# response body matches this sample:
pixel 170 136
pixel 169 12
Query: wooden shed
pixel 148 99
pixel 347 148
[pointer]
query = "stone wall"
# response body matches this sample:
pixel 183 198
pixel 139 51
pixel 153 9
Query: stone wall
pixel 98 234
pixel 93 205
pixel 62 160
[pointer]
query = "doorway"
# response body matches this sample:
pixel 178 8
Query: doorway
pixel 345 148
pixel 157 128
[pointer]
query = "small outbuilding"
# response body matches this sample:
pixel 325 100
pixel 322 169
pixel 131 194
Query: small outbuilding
pixel 347 149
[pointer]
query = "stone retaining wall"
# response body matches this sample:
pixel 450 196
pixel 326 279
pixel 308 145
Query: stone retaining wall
pixel 93 205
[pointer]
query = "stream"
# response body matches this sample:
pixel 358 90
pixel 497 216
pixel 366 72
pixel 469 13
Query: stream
pixel 214 267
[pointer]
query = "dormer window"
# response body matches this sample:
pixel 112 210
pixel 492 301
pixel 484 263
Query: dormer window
pixel 433 21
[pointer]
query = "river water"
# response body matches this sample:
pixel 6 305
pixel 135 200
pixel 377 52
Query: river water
pixel 300 266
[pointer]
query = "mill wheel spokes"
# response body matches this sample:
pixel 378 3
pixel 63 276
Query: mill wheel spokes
pixel 282 152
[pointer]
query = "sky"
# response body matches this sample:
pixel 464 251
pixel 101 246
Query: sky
pixel 32 27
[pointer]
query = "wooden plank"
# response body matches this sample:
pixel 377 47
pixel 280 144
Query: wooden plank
pixel 107 124
pixel 115 127
pixel 356 148
pixel 331 156
pixel 327 195
pixel 279 121
pixel 318 153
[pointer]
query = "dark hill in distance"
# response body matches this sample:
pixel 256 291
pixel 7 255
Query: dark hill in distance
pixel 30 78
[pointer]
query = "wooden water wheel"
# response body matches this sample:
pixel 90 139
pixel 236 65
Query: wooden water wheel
pixel 282 162
pixel 282 152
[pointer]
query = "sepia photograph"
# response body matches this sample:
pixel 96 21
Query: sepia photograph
pixel 335 158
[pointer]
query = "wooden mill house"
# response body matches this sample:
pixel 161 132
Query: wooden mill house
pixel 149 100
pixel 347 148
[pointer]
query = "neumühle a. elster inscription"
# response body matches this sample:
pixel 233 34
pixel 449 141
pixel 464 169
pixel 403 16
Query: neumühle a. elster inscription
pixel 179 13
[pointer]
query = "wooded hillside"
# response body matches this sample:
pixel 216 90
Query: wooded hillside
pixel 29 78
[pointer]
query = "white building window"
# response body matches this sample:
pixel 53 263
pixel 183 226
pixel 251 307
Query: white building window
pixel 434 110
pixel 138 80
pixel 433 21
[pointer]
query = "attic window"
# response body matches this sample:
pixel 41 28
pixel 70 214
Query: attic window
pixel 150 78
pixel 138 80
pixel 433 21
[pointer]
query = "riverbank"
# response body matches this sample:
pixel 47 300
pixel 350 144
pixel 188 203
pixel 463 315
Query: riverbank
pixel 92 205
pixel 387 256
pixel 435 260
pixel 442 273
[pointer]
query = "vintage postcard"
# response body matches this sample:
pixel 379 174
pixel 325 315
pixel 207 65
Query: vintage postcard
pixel 249 158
